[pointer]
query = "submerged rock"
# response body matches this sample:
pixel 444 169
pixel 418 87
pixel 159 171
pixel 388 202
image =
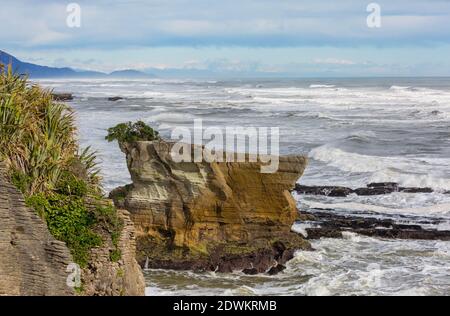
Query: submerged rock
pixel 210 216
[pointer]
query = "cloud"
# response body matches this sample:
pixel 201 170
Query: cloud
pixel 334 61
pixel 251 23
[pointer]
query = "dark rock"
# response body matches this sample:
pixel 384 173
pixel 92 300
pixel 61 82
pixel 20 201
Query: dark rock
pixel 416 190
pixel 331 225
pixel 276 269
pixel 392 185
pixel 317 233
pixel 62 96
pixel 375 191
pixel 113 99
pixel 380 188
pixel 250 271
pixel 323 190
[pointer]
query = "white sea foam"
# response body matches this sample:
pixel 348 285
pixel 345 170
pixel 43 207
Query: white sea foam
pixel 316 86
pixel 387 169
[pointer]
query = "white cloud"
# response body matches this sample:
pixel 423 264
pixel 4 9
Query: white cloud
pixel 334 61
pixel 257 23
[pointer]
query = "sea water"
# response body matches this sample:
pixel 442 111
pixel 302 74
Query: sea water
pixel 355 131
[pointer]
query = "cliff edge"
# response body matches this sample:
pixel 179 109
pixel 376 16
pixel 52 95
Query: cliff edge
pixel 210 216
pixel 32 262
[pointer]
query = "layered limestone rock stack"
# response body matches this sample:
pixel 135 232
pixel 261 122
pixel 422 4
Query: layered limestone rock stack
pixel 210 216
pixel 32 262
pixel 122 278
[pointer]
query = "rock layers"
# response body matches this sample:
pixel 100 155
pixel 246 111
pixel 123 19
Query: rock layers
pixel 32 262
pixel 122 278
pixel 210 216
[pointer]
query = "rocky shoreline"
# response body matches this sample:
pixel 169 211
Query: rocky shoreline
pixel 330 223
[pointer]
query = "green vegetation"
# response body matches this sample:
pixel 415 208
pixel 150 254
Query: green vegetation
pixel 69 220
pixel 131 132
pixel 39 147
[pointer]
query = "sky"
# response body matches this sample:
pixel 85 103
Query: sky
pixel 290 37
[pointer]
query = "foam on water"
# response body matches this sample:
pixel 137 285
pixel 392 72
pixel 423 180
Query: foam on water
pixel 355 265
pixel 412 172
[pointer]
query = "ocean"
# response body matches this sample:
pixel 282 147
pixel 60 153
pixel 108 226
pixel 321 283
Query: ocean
pixel 355 131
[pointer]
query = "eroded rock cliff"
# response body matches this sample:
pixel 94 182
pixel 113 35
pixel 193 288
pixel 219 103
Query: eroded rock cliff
pixel 115 278
pixel 210 216
pixel 32 262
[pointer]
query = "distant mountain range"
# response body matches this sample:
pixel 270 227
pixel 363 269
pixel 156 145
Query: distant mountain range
pixel 38 71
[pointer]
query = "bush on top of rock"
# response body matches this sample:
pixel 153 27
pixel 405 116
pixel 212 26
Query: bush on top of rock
pixel 131 132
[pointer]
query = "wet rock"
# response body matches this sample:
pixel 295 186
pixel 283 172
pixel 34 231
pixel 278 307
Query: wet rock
pixel 317 233
pixel 332 225
pixel 416 190
pixel 250 271
pixel 276 269
pixel 62 96
pixel 113 99
pixel 323 190
pixel 391 185
pixel 371 189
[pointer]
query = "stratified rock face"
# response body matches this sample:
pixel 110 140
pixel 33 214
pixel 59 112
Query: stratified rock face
pixel 32 262
pixel 122 278
pixel 210 216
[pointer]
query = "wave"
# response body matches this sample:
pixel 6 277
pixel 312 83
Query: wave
pixel 318 86
pixel 411 172
pixel 399 88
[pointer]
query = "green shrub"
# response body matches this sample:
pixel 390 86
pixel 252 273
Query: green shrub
pixel 69 184
pixel 110 221
pixel 131 132
pixel 70 221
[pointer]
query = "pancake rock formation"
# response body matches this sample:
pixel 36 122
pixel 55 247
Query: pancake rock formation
pixel 103 277
pixel 210 216
pixel 32 262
